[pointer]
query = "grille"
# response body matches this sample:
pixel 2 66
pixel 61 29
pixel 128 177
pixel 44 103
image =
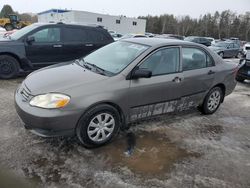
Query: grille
pixel 247 48
pixel 25 92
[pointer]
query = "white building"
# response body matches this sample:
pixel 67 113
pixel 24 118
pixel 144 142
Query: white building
pixel 120 24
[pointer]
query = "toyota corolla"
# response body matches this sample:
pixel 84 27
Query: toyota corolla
pixel 126 81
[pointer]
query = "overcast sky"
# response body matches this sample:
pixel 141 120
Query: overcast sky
pixel 133 8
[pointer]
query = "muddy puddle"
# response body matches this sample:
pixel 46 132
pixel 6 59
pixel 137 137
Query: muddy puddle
pixel 147 153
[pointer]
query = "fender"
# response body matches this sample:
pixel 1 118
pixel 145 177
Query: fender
pixel 17 50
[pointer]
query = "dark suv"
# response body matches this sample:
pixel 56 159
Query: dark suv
pixel 199 40
pixel 40 45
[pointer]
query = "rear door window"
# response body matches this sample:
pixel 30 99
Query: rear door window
pixel 231 46
pixel 194 58
pixel 72 34
pixel 236 46
pixel 97 36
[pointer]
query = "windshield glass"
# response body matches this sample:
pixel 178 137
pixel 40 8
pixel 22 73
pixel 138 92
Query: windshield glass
pixel 18 34
pixel 221 44
pixel 115 57
pixel 189 39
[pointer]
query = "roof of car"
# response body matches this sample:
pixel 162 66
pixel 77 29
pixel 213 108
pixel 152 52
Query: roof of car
pixel 158 41
pixel 69 24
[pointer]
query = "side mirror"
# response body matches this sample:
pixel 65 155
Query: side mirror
pixel 228 47
pixel 141 73
pixel 30 39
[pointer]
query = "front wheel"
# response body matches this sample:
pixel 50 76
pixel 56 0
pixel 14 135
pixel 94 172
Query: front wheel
pixel 212 100
pixel 98 126
pixel 9 67
pixel 9 27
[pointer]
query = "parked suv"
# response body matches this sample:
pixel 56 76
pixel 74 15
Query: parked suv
pixel 40 45
pixel 199 40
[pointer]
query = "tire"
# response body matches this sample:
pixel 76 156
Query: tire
pixel 91 126
pixel 9 67
pixel 8 27
pixel 240 79
pixel 211 102
pixel 221 54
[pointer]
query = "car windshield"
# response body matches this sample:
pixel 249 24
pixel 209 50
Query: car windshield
pixel 221 44
pixel 114 57
pixel 210 39
pixel 18 34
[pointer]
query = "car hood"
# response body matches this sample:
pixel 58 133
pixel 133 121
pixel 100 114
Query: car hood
pixel 215 48
pixel 60 77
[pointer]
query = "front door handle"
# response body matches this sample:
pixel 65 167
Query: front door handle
pixel 210 72
pixel 57 45
pixel 89 45
pixel 177 79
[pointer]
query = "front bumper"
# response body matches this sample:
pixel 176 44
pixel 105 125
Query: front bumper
pixel 46 122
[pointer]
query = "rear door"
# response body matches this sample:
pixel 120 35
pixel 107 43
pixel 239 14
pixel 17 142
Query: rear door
pixel 47 47
pixel 99 38
pixel 76 42
pixel 236 49
pixel 198 72
pixel 160 93
pixel 230 51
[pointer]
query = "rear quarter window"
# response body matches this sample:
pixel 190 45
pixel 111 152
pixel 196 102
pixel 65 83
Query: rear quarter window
pixel 98 36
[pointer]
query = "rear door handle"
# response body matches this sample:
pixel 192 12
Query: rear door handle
pixel 57 45
pixel 177 79
pixel 210 72
pixel 89 45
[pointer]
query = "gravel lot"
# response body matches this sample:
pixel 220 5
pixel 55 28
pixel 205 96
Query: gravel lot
pixel 187 150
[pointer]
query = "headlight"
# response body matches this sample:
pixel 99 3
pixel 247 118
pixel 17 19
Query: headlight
pixel 50 100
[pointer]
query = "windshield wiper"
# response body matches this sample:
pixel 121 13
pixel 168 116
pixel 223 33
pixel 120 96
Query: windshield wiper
pixel 96 67
pixel 92 67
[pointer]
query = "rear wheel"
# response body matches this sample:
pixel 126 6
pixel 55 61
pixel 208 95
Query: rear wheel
pixel 212 100
pixel 9 67
pixel 98 126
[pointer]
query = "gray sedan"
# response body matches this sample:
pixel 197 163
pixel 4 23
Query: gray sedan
pixel 123 82
pixel 227 49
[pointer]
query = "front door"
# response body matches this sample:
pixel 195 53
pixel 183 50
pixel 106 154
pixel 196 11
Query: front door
pixel 46 49
pixel 160 93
